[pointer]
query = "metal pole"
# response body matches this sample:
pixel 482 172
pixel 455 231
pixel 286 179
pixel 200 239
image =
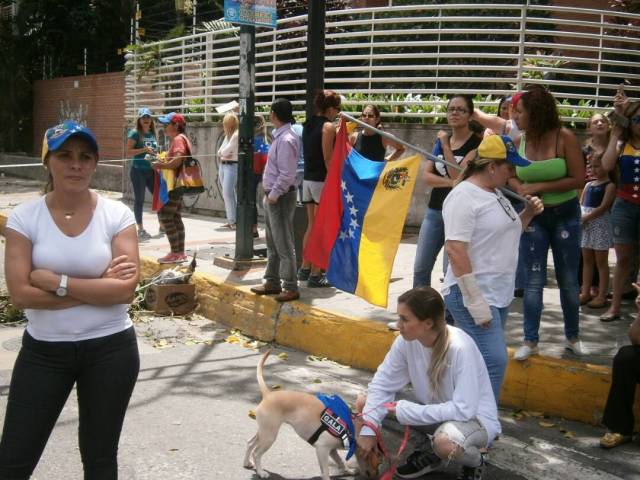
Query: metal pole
pixel 315 51
pixel 422 151
pixel 137 22
pixel 246 194
pixel 195 8
pixel 85 62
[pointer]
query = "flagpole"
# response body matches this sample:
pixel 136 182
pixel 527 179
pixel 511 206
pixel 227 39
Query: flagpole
pixel 422 151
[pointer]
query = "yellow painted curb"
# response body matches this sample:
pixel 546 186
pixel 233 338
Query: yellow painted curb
pixel 572 390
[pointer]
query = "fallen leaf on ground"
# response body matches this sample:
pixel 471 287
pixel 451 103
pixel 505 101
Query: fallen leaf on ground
pixel 276 387
pixel 317 380
pixel 283 356
pixel 529 413
pixel 546 424
pixel 252 414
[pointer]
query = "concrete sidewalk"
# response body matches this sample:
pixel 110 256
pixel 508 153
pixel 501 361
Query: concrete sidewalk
pixel 340 326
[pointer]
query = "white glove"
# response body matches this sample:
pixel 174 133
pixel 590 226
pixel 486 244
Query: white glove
pixel 473 299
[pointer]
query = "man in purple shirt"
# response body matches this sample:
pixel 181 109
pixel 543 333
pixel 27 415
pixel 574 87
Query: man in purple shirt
pixel 278 182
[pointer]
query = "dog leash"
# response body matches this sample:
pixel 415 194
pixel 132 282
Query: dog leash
pixel 393 460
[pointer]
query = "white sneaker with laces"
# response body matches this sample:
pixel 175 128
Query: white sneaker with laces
pixel 524 352
pixel 577 348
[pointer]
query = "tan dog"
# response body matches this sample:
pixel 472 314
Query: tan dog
pixel 301 411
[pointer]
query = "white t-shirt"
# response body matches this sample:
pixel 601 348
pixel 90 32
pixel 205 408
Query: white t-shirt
pixel 465 391
pixel 228 151
pixel 85 256
pixel 490 225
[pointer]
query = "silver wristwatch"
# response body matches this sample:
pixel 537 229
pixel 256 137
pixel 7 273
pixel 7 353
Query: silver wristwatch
pixel 61 291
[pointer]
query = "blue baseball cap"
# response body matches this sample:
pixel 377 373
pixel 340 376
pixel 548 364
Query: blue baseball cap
pixel 173 117
pixel 501 147
pixel 144 112
pixel 54 137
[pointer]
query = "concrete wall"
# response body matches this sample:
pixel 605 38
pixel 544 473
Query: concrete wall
pixel 107 177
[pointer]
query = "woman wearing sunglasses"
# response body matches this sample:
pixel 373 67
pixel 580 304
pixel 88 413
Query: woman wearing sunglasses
pixel 369 143
pixel 482 231
pixel 456 148
pixel 623 152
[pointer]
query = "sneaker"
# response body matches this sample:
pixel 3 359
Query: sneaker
pixel 524 352
pixel 303 274
pixel 471 473
pixel 173 257
pixel 418 464
pixel 318 281
pixel 393 326
pixel 143 235
pixel 577 348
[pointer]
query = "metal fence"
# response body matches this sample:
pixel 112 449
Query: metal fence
pixel 406 59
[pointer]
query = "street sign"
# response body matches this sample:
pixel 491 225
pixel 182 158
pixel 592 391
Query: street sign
pixel 258 13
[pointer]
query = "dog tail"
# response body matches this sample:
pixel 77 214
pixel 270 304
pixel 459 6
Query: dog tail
pixel 263 386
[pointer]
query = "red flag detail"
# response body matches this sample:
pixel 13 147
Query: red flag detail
pixel 327 223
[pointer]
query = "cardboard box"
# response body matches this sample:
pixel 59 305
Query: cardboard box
pixel 179 298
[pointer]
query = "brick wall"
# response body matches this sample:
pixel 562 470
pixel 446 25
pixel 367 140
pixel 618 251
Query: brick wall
pixel 97 99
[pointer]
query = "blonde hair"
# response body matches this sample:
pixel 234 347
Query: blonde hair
pixel 230 124
pixel 427 304
pixel 476 165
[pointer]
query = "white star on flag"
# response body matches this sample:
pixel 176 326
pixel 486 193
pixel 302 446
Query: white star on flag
pixel 348 197
pixel 343 185
pixel 351 234
pixel 354 223
pixel 353 211
pixel 636 179
pixel 343 235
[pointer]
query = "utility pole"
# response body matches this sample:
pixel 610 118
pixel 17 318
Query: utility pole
pixel 195 9
pixel 315 52
pixel 137 29
pixel 246 194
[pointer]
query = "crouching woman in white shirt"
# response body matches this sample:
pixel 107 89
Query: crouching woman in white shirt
pixel 450 383
pixel 482 234
pixel 72 263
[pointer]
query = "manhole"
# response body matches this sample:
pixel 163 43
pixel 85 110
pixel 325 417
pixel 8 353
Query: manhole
pixel 13 344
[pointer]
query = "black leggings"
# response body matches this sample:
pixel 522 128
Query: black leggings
pixel 104 371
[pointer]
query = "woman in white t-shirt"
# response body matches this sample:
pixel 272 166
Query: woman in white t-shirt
pixel 482 234
pixel 228 167
pixel 450 384
pixel 72 264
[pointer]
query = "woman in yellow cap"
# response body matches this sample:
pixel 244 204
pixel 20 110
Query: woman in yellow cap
pixel 482 234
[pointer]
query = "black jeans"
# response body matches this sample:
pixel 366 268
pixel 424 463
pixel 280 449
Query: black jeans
pixel 104 371
pixel 618 413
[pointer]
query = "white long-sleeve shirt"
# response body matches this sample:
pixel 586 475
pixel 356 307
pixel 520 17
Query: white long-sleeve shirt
pixel 465 389
pixel 228 151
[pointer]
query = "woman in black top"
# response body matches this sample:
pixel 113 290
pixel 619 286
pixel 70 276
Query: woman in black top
pixel 318 137
pixel 371 144
pixel 456 148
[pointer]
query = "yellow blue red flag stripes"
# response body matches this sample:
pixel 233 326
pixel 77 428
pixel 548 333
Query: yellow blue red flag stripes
pixel 375 199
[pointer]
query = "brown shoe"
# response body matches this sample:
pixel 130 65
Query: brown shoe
pixel 266 289
pixel 287 296
pixel 612 440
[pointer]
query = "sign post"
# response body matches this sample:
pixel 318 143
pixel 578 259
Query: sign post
pixel 249 14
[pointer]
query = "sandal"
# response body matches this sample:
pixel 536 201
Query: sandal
pixel 597 304
pixel 611 440
pixel 584 298
pixel 609 317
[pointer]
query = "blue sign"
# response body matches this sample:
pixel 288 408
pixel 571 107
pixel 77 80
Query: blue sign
pixel 259 13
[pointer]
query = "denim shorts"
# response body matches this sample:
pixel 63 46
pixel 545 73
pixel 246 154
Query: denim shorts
pixel 625 219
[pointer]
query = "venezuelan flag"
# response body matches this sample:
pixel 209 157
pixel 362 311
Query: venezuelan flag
pixel 163 183
pixel 371 200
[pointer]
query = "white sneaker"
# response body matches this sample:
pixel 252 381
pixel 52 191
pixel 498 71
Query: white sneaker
pixel 524 352
pixel 577 348
pixel 393 326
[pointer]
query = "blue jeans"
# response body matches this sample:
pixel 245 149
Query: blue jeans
pixel 430 242
pixel 490 340
pixel 229 178
pixel 141 178
pixel 558 227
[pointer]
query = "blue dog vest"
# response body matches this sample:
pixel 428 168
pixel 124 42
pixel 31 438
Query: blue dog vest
pixel 336 419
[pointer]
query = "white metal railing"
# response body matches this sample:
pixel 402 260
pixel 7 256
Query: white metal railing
pixel 406 59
